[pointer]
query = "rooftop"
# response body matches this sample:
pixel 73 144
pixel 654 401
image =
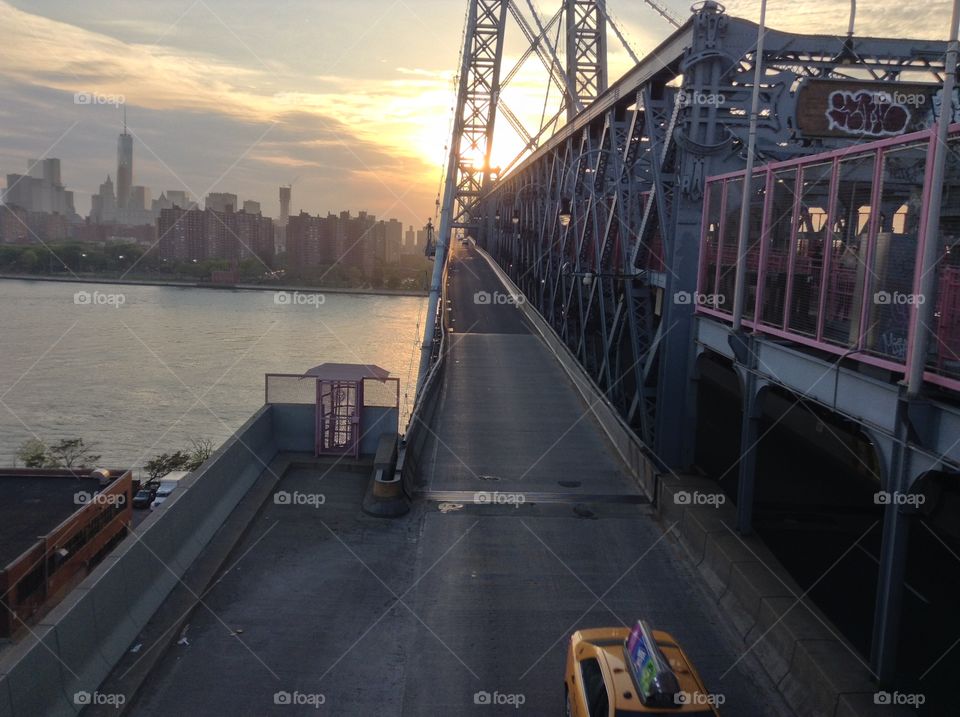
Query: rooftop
pixel 33 503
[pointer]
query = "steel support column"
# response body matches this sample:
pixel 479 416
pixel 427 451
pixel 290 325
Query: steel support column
pixel 893 558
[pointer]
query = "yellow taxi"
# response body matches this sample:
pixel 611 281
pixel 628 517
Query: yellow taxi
pixel 620 672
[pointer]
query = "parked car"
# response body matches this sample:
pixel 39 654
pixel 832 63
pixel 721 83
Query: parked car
pixel 168 484
pixel 143 498
pixel 619 671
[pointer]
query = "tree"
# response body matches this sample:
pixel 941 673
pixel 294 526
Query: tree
pixel 200 451
pixel 28 260
pixel 33 453
pixel 68 453
pixel 72 452
pixel 158 466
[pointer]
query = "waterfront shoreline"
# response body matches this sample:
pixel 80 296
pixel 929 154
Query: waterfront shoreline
pixel 222 287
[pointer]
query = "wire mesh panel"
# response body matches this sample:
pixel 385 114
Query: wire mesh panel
pixel 944 349
pixel 895 251
pixel 758 194
pixel 779 234
pixel 287 388
pixel 839 265
pixel 848 278
pixel 729 240
pixel 812 231
pixel 384 393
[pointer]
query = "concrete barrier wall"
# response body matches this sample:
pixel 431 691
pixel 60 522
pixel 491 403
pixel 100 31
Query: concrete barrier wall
pixel 411 447
pixel 630 448
pixel 294 425
pixel 75 646
pixel 377 420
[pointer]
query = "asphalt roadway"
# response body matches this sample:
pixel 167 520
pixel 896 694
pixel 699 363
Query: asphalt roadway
pixel 325 610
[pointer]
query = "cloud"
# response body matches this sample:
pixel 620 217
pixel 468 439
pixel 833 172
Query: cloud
pixel 360 129
pixel 355 125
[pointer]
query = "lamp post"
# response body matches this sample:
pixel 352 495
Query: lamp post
pixel 740 285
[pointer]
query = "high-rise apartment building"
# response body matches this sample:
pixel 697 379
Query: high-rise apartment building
pixel 180 233
pixel 221 202
pixel 393 241
pixel 198 234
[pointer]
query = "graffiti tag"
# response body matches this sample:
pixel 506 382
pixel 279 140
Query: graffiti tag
pixel 860 112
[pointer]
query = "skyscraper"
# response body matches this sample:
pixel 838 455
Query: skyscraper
pixel 124 165
pixel 281 227
pixel 40 190
pixel 285 192
pixel 104 204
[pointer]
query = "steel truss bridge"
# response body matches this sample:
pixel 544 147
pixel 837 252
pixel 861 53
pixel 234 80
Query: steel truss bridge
pixel 600 221
pixel 614 198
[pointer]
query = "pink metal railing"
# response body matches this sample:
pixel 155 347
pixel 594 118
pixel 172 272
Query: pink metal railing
pixel 834 247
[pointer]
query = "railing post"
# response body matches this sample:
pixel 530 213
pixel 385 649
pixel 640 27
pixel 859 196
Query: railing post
pixel 740 286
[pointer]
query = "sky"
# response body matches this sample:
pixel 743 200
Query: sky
pixel 349 101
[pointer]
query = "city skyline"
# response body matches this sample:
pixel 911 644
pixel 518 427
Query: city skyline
pixel 357 121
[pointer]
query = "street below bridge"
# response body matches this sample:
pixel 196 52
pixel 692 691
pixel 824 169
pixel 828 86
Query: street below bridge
pixel 527 526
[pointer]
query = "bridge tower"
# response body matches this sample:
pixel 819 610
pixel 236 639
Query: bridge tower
pixel 478 101
pixel 586 51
